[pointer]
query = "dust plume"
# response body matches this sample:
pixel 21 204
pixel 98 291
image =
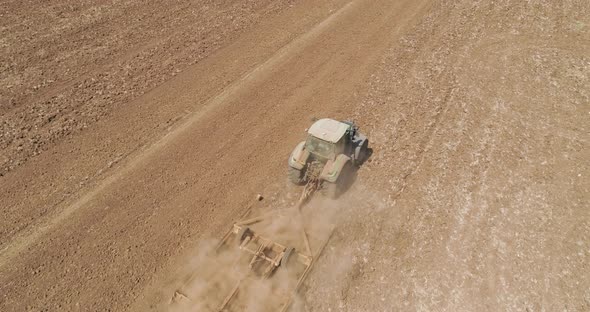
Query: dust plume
pixel 213 274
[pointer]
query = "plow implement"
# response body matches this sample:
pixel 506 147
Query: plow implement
pixel 259 258
pixel 264 257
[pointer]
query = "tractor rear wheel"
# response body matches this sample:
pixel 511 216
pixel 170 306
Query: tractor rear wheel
pixel 333 190
pixel 296 176
pixel 330 190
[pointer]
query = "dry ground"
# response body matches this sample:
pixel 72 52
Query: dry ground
pixel 130 132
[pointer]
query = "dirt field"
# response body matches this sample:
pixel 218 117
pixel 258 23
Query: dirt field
pixel 131 133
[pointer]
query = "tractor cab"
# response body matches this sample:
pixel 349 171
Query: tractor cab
pixel 328 138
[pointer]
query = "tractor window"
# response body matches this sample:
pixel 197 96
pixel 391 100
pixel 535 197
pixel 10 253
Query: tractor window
pixel 319 147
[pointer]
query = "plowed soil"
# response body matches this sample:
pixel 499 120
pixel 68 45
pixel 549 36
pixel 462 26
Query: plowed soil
pixel 131 132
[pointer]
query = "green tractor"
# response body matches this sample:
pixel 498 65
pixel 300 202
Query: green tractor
pixel 329 157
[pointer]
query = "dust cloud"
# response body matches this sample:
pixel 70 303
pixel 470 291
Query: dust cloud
pixel 211 275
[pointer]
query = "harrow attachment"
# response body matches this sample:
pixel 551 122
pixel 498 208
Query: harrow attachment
pixel 260 257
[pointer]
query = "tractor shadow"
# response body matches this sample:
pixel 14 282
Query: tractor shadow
pixel 347 184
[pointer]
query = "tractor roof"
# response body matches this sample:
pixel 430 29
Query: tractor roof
pixel 328 129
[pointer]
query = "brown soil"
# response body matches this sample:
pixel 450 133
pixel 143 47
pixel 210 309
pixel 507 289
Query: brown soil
pixel 132 132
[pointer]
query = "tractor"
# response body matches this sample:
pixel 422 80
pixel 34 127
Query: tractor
pixel 329 156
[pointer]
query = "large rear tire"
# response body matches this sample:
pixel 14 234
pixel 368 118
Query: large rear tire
pixel 334 190
pixel 296 177
pixel 346 176
pixel 330 190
